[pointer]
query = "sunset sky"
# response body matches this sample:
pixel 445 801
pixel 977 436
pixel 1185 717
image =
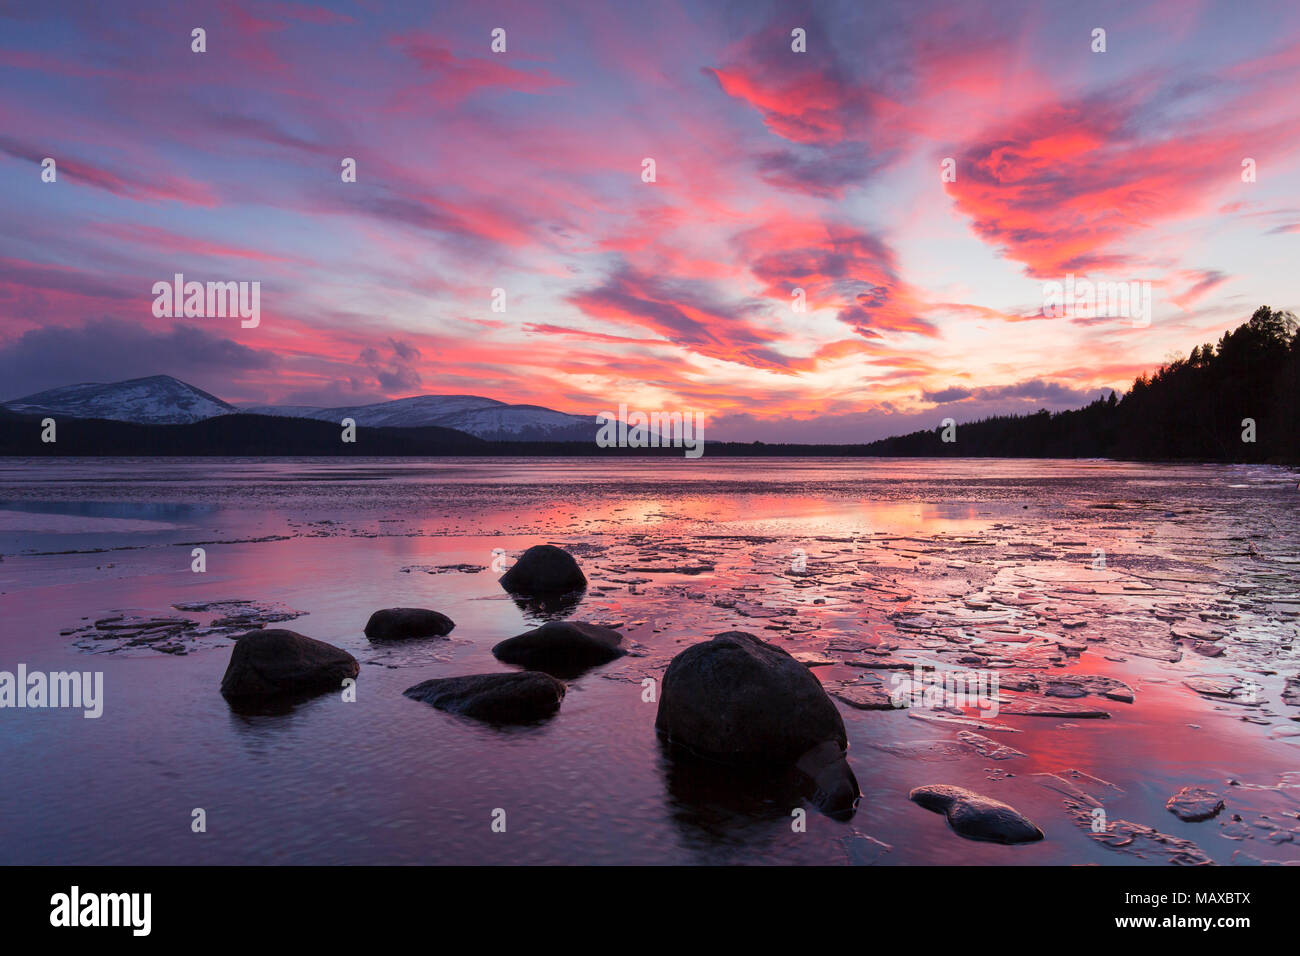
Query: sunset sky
pixel 522 170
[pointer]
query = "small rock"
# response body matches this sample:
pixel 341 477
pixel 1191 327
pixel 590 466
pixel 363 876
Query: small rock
pixel 977 817
pixel 497 698
pixel 397 623
pixel 563 648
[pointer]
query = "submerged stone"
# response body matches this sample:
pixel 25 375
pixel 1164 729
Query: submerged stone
pixel 497 698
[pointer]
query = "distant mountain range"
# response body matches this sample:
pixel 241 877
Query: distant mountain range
pixel 163 400
pixel 157 400
pixel 1234 400
pixel 483 418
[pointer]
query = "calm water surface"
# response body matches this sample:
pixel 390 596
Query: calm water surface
pixel 1052 569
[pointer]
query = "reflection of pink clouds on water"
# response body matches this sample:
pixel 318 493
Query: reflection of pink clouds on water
pixel 866 568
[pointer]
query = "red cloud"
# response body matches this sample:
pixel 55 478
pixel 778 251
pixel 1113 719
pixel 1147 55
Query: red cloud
pixel 836 265
pixel 686 314
pixel 147 185
pixel 450 79
pixel 1067 187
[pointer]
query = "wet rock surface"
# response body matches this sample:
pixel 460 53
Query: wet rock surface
pixel 830 782
pixel 400 623
pixel 563 648
pixel 496 698
pixel 544 569
pixel 281 663
pixel 739 700
pixel 976 816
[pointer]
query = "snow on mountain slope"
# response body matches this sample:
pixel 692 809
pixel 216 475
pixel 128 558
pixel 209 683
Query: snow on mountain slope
pixel 399 413
pixel 525 423
pixel 156 400
pixel 481 417
pixel 163 400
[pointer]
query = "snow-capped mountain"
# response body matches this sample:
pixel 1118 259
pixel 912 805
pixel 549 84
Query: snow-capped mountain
pixel 482 417
pixel 156 400
pixel 399 413
pixel 163 400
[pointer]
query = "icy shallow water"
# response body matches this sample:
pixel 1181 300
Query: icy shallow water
pixel 1172 584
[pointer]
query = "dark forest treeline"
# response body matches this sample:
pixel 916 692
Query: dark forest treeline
pixel 256 436
pixel 1192 408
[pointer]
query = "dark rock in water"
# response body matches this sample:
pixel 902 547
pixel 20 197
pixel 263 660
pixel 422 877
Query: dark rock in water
pixel 977 817
pixel 544 569
pixel 834 788
pixel 396 623
pixel 498 698
pixel 562 648
pixel 741 701
pixel 1194 804
pixel 271 663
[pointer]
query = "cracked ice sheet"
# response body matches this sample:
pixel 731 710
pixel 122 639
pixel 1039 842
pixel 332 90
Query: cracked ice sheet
pixel 846 563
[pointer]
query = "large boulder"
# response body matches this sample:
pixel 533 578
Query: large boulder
pixel 278 663
pixel 498 698
pixel 563 648
pixel 976 816
pixel 741 701
pixel 398 623
pixel 544 569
